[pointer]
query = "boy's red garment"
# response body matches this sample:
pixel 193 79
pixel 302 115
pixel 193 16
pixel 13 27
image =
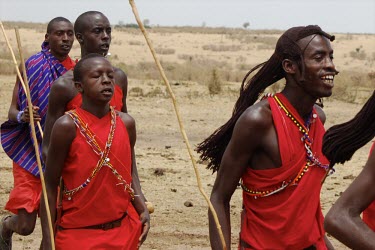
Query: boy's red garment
pixel 369 213
pixel 116 100
pixel 291 218
pixel 104 199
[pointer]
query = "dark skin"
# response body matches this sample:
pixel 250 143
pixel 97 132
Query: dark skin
pixel 343 220
pixel 254 140
pixel 60 38
pixel 97 77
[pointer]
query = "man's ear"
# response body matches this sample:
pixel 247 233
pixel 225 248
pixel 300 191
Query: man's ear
pixel 78 86
pixel 79 37
pixel 289 66
pixel 46 37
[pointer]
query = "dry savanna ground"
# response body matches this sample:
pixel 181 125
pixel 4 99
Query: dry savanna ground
pixel 199 62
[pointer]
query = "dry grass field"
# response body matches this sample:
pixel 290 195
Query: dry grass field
pixel 190 56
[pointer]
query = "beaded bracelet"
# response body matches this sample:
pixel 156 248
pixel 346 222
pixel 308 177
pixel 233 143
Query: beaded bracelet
pixel 19 116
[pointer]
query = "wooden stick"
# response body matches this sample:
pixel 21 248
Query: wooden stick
pixel 186 140
pixel 36 146
pixel 33 132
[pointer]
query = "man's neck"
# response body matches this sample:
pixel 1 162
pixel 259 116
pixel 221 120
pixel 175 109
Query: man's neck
pixel 302 102
pixel 59 57
pixel 98 111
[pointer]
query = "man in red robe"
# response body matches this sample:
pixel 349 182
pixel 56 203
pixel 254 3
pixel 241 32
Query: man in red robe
pixel 274 147
pixel 92 149
pixel 42 70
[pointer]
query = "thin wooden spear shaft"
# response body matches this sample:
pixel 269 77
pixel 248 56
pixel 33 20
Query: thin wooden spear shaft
pixel 182 129
pixel 33 132
pixel 36 146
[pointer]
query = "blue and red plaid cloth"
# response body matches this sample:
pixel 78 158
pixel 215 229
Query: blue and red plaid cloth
pixel 42 70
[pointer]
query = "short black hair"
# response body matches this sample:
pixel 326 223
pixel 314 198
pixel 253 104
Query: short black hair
pixel 77 72
pixel 55 20
pixel 80 23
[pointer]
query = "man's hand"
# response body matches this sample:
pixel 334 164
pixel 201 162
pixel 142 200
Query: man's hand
pixel 26 117
pixel 145 219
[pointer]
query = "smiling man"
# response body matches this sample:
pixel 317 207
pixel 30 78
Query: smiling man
pixel 273 147
pixel 42 70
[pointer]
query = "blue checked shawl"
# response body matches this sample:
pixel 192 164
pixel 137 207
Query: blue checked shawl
pixel 42 70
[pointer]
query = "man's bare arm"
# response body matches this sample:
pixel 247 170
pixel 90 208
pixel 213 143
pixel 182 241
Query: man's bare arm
pixel 61 93
pixel 139 200
pixel 343 220
pixel 247 136
pixel 122 80
pixel 62 135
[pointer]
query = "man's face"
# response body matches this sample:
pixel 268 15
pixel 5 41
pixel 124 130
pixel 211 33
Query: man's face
pixel 96 38
pixel 98 80
pixel 319 68
pixel 60 39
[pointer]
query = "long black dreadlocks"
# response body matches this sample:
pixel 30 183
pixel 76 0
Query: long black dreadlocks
pixel 341 141
pixel 271 71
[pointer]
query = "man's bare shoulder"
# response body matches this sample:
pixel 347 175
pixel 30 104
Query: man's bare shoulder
pixel 257 116
pixel 320 112
pixel 120 77
pixel 127 119
pixel 64 124
pixel 64 86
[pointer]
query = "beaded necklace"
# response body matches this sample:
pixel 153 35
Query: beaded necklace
pixel 104 159
pixel 311 159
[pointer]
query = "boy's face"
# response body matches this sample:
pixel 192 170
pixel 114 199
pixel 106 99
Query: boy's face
pixel 97 80
pixel 319 67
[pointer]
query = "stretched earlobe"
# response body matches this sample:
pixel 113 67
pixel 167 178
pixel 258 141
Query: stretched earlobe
pixel 79 37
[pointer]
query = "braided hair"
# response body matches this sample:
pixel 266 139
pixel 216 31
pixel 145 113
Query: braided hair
pixel 341 141
pixel 271 71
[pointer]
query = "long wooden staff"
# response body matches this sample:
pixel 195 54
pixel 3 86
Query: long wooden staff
pixel 182 129
pixel 33 132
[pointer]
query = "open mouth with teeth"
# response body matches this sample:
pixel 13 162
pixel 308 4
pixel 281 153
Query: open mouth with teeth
pixel 327 79
pixel 107 91
pixel 65 47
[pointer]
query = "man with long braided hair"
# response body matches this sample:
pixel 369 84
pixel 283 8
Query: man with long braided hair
pixel 274 147
pixel 340 142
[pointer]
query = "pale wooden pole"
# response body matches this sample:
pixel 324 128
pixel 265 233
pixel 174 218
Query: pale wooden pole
pixel 33 132
pixel 182 129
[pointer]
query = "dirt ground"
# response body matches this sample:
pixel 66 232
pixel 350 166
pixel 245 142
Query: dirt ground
pixel 160 146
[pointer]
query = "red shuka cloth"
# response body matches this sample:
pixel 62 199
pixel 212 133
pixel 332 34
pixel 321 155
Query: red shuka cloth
pixel 68 63
pixel 103 199
pixel 116 100
pixel 369 213
pixel 291 218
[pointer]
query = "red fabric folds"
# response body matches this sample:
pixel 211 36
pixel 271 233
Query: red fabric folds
pixel 116 100
pixel 291 218
pixel 104 199
pixel 26 192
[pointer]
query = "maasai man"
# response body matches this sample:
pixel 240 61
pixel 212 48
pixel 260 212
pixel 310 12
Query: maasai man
pixel 93 32
pixel 42 69
pixel 92 148
pixel 343 220
pixel 273 147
